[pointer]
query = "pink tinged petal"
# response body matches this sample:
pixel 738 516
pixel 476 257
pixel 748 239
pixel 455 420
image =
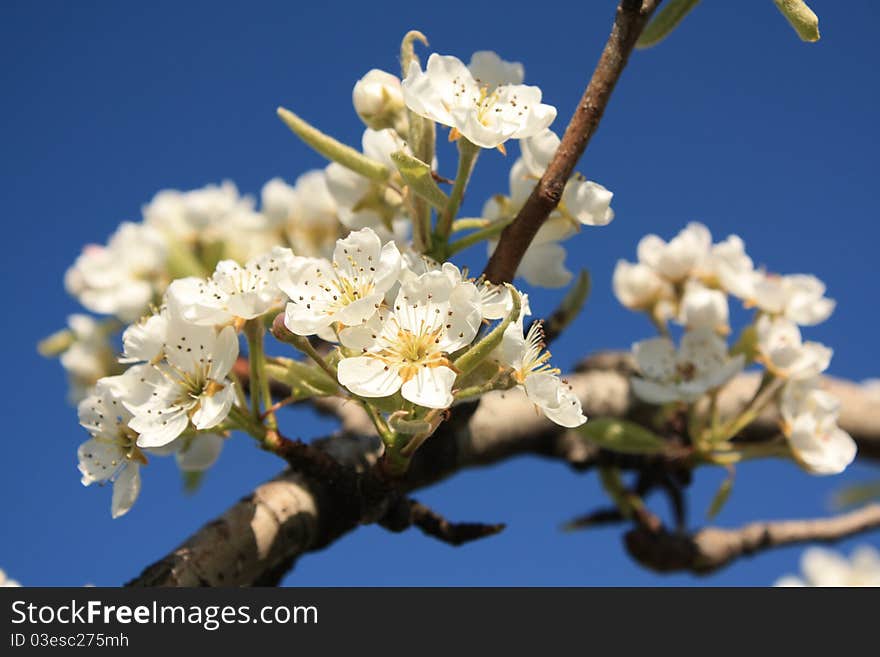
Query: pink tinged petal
pixel 430 387
pixel 157 430
pixel 368 377
pixel 126 489
pixel 201 453
pixel 225 353
pixel 213 409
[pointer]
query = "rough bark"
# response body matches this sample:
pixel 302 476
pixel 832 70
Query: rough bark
pixel 258 539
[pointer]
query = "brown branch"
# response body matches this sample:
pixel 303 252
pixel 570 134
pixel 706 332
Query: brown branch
pixel 260 537
pixel 410 513
pixel 630 19
pixel 713 548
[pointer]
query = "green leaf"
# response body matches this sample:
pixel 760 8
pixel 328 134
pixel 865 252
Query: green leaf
pixel 746 344
pixel 622 436
pixel 192 480
pixel 857 494
pixel 721 496
pixel 800 17
pixel 570 308
pixel 334 150
pixel 666 20
pixel 304 380
pixel 417 175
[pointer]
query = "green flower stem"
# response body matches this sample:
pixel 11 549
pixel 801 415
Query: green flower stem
pixel 246 422
pixel 477 236
pixel 473 223
pixel 770 385
pixel 776 448
pixel 467 157
pixel 305 346
pixel 478 352
pixel 261 397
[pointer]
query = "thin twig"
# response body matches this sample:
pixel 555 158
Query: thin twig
pixel 410 513
pixel 713 548
pixel 631 17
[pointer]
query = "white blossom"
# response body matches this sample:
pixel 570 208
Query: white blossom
pixel 730 268
pixel 703 307
pixel 486 115
pixel 677 259
pixel 529 360
pixel 407 347
pixel 638 286
pixel 809 416
pixel 201 214
pixel 585 202
pixel 785 354
pixel 89 357
pixel 489 69
pixel 347 291
pixel 826 568
pixel 111 454
pixel 363 203
pixel 797 297
pixel 6 581
pixel 701 363
pixel 144 341
pixel 123 277
pixel 378 99
pixel 233 292
pixel 189 385
pixel 305 213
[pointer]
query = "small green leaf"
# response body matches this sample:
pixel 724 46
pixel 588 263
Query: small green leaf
pixel 857 494
pixel 721 496
pixel 801 18
pixel 666 20
pixel 570 308
pixel 334 150
pixel 621 436
pixel 746 344
pixel 192 480
pixel 417 175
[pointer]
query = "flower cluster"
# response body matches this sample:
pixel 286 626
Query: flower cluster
pixel 823 568
pixel 688 281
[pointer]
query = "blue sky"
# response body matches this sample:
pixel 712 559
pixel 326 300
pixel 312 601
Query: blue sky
pixel 732 121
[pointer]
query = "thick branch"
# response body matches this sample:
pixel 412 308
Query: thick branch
pixel 631 17
pixel 258 539
pixel 712 548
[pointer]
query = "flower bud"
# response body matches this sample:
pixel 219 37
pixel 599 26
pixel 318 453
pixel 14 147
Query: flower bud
pixel 378 100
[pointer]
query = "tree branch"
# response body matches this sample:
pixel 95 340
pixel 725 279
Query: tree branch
pixel 630 19
pixel 258 539
pixel 410 513
pixel 713 548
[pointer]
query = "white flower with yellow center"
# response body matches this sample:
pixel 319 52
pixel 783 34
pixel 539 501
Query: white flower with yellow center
pixel 408 346
pixel 189 384
pixel 483 113
pixel 529 362
pixel 701 363
pixel 233 292
pixel 111 454
pixel 347 291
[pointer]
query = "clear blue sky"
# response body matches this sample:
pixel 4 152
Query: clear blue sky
pixel 732 121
